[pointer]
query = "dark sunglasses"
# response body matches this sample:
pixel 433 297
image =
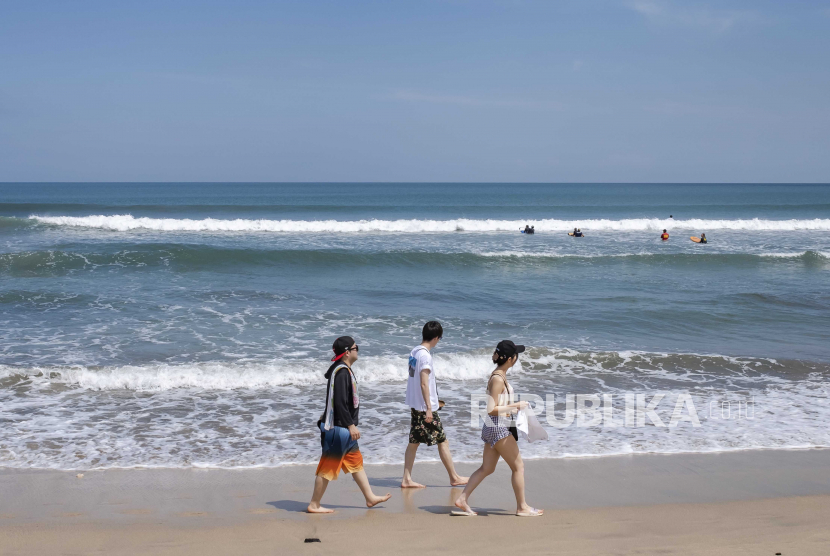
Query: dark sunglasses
pixel 355 348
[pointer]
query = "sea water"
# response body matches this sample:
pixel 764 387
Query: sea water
pixel 182 325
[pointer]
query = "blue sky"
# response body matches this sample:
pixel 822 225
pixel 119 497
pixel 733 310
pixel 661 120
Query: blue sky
pixel 451 90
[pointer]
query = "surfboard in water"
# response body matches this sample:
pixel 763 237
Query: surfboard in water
pixel 695 239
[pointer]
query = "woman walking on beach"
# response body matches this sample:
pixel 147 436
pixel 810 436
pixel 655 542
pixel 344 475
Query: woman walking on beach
pixel 338 429
pixel 500 439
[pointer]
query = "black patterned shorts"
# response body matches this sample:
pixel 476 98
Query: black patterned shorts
pixel 421 432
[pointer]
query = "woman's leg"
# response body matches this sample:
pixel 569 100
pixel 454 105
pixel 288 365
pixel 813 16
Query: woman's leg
pixel 314 506
pixel 509 450
pixel 363 484
pixel 488 465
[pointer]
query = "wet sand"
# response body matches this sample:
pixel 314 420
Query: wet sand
pixel 752 502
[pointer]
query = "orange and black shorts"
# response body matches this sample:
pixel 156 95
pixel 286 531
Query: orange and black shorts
pixel 339 452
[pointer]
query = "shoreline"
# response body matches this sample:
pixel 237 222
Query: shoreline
pixel 732 501
pixel 420 461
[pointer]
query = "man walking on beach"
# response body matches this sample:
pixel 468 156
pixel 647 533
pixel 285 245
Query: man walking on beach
pixel 338 429
pixel 422 399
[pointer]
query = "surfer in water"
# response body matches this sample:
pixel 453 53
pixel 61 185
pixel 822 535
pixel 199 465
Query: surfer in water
pixel 576 233
pixel 664 236
pixel 703 238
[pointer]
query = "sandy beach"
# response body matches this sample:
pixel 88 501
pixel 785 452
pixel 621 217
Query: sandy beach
pixel 749 502
pixel 247 245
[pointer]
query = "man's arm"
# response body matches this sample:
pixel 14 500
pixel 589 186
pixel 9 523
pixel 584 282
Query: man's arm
pixel 425 393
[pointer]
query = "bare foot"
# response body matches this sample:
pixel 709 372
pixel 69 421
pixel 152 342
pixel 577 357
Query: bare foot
pixel 318 509
pixel 411 484
pixel 378 499
pixel 461 504
pixel 459 481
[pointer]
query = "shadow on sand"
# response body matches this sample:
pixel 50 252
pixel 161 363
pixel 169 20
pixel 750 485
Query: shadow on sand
pixel 447 509
pixel 300 507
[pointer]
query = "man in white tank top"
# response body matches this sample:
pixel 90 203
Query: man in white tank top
pixel 422 399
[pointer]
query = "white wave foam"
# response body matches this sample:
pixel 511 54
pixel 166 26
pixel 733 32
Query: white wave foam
pixel 454 367
pixel 231 376
pixel 820 254
pixel 784 255
pixel 127 222
pixel 243 429
pixel 274 425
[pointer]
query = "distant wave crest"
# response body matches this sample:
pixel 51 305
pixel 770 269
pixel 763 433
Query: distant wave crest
pixel 127 222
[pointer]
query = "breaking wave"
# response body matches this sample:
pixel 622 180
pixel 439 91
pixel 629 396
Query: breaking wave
pixel 127 222
pixel 459 366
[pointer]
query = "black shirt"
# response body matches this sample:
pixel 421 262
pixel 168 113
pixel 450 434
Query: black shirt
pixel 345 413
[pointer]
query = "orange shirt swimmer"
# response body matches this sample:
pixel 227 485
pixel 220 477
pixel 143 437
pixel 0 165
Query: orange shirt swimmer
pixel 664 236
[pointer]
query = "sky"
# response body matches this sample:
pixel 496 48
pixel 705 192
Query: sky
pixel 414 91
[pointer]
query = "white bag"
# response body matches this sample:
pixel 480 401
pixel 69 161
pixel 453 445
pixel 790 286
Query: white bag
pixel 529 427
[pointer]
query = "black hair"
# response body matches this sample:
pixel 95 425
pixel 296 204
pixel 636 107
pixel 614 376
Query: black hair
pixel 501 359
pixel 432 330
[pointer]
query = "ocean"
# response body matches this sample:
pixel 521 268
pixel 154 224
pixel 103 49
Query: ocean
pixel 189 325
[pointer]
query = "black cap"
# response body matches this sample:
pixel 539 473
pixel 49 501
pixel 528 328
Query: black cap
pixel 340 346
pixel 508 349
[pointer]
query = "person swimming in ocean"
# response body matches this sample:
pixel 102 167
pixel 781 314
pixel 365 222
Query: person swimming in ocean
pixel 529 229
pixel 703 238
pixel 577 232
pixel 664 236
